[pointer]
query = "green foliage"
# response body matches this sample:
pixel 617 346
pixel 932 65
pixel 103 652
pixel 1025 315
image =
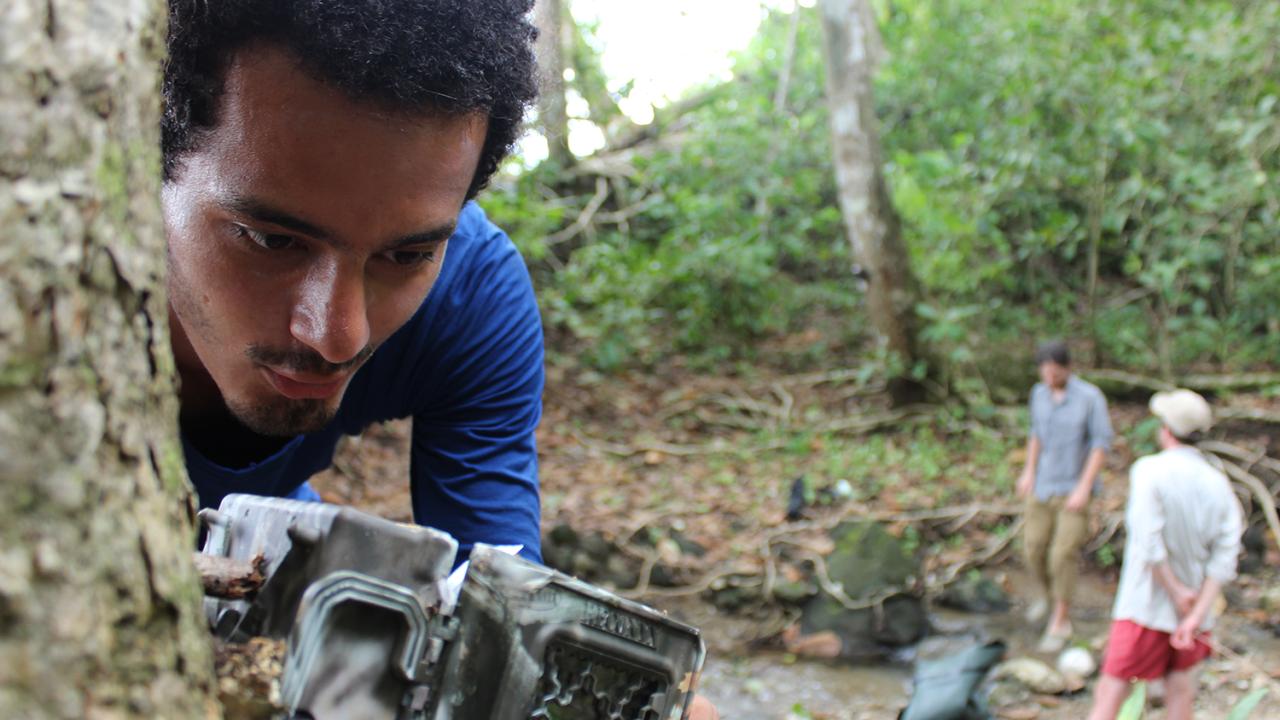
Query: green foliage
pixel 1143 436
pixel 799 712
pixel 1134 707
pixel 1247 704
pixel 1024 143
pixel 738 236
pixel 1107 556
pixel 1021 137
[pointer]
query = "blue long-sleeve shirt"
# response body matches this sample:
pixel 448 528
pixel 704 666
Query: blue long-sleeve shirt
pixel 468 368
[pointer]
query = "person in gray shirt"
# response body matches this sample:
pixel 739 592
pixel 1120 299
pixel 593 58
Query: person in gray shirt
pixel 1070 435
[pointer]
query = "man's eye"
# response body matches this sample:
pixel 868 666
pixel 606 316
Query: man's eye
pixel 410 258
pixel 267 241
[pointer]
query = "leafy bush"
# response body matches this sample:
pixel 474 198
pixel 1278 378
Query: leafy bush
pixel 1026 143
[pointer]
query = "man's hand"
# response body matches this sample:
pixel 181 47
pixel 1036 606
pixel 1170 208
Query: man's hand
pixel 1026 482
pixel 1078 499
pixel 1184 599
pixel 702 709
pixel 1184 638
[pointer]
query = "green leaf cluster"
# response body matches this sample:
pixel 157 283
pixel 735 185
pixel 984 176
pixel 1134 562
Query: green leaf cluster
pixel 1026 138
pixel 1026 145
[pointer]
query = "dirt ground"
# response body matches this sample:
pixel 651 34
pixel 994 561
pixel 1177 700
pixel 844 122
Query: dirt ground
pixel 715 459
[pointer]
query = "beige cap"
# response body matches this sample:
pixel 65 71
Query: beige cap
pixel 1182 411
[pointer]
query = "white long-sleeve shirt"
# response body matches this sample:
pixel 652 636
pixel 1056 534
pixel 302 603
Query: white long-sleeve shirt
pixel 1181 510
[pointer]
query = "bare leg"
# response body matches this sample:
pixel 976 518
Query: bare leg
pixel 1060 620
pixel 1180 694
pixel 1108 696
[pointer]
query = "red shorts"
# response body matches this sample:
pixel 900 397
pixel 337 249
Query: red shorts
pixel 1134 651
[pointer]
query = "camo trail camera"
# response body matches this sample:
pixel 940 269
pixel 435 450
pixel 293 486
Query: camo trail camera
pixel 373 629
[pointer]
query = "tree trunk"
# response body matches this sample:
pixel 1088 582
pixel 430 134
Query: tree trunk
pixel 851 46
pixel 553 113
pixel 99 601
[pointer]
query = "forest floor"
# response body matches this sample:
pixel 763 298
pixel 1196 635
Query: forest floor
pixel 712 460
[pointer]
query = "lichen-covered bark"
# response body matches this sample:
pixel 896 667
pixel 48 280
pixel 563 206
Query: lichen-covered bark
pixel 851 47
pixel 99 601
pixel 549 15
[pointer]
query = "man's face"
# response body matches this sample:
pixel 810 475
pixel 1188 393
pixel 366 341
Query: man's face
pixel 1054 375
pixel 304 230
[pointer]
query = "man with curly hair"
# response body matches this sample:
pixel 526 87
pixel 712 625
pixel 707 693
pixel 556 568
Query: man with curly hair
pixel 327 268
pixel 320 159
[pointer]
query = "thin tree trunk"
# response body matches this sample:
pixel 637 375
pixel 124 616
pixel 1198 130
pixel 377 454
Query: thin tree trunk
pixel 550 17
pixel 1097 199
pixel 99 602
pixel 788 62
pixel 772 181
pixel 851 46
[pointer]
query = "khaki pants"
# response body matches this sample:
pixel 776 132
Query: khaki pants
pixel 1052 545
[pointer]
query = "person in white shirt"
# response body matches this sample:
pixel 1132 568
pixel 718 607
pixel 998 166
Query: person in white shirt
pixel 1184 525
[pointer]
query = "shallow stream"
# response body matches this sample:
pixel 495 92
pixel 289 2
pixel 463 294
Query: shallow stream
pixel 776 686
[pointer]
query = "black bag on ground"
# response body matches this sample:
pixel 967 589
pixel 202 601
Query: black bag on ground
pixel 945 689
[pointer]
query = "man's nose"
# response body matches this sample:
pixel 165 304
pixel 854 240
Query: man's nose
pixel 331 314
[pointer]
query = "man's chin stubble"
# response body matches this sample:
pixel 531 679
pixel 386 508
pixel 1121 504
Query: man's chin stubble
pixel 286 419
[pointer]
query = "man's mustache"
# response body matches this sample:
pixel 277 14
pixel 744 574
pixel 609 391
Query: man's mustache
pixel 306 361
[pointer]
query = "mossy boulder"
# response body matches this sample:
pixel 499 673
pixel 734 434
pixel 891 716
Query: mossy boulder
pixel 869 563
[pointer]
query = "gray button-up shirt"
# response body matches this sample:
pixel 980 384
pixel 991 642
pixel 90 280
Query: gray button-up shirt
pixel 1068 429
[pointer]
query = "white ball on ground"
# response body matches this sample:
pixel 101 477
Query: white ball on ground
pixel 1077 661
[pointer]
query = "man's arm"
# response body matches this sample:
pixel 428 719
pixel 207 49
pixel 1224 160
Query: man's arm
pixel 1184 598
pixel 1099 432
pixel 1220 570
pixel 1028 479
pixel 1184 637
pixel 477 396
pixel 1144 522
pixel 1079 496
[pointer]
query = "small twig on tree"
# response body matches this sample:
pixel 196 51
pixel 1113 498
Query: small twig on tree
pixel 584 218
pixel 770 570
pixel 831 376
pixel 1114 521
pixel 619 217
pixel 956 525
pixel 709 580
pixel 224 577
pixel 788 403
pixel 1128 379
pixel 1241 381
pixel 836 592
pixel 1260 493
pixel 1199 383
pixel 989 553
pixel 646 574
pixel 1223 650
pixel 1249 414
pixel 860 424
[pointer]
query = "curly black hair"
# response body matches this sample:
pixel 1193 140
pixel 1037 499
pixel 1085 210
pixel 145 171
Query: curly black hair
pixel 446 56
